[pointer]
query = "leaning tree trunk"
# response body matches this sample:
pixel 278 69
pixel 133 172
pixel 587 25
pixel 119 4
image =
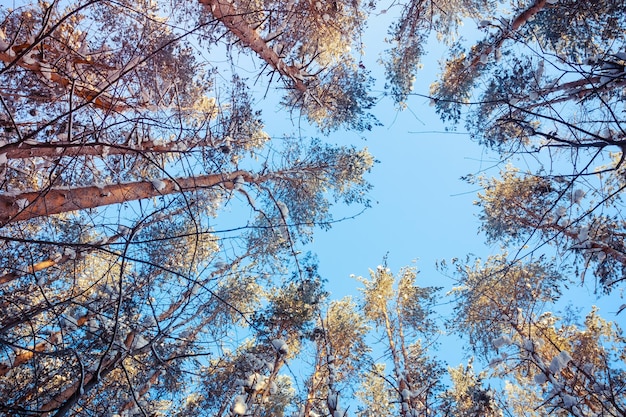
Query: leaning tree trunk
pixel 223 11
pixel 25 150
pixel 15 56
pixel 28 205
pixel 508 32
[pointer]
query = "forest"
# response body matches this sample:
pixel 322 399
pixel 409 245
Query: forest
pixel 155 239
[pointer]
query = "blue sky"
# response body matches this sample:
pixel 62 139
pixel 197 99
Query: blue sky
pixel 421 211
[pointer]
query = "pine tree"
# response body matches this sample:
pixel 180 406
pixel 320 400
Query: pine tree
pixel 402 311
pixel 121 272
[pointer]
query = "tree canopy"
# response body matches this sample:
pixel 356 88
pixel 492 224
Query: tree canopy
pixel 153 234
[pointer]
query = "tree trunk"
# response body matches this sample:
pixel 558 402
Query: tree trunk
pixel 398 367
pixel 28 205
pixel 88 93
pixel 21 358
pixel 231 18
pixel 64 401
pixel 515 24
pixel 76 254
pixel 21 150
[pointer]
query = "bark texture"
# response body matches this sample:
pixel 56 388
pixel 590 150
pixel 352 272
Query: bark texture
pixel 231 18
pixel 28 205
